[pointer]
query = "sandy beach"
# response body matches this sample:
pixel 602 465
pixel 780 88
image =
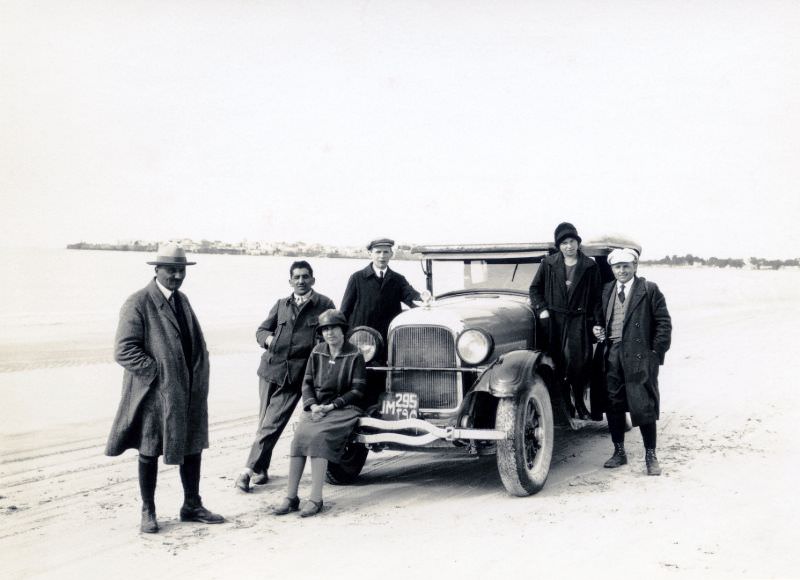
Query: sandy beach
pixel 726 505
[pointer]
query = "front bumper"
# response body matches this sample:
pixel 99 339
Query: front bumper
pixel 388 432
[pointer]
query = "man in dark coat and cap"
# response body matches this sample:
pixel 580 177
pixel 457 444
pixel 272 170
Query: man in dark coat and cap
pixel 374 295
pixel 164 405
pixel 636 335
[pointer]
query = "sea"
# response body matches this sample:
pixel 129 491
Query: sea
pixel 59 310
pixel 60 306
pixel 57 303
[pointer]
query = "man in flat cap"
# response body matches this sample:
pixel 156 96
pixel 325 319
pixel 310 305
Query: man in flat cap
pixel 374 295
pixel 636 336
pixel 164 405
pixel 287 336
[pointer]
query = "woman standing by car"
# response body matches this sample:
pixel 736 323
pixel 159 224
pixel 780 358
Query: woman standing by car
pixel 333 390
pixel 566 295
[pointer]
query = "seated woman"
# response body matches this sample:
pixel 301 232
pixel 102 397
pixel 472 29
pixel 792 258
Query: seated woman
pixel 333 388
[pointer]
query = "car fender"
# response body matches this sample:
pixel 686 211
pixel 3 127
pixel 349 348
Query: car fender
pixel 513 371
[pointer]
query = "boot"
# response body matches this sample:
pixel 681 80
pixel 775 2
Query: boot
pixel 193 511
pixel 619 458
pixel 149 523
pixel 650 459
pixel 260 478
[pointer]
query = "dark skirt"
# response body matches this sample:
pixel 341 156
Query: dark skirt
pixel 325 437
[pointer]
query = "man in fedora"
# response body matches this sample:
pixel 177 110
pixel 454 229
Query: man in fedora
pixel 374 295
pixel 636 336
pixel 287 337
pixel 164 407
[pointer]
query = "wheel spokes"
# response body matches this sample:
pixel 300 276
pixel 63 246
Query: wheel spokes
pixel 533 433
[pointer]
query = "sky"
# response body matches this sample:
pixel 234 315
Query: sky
pixel 676 124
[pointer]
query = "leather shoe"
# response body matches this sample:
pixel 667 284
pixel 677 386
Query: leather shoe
pixel 289 504
pixel 243 482
pixel 149 523
pixel 260 478
pixel 197 513
pixel 619 458
pixel 311 508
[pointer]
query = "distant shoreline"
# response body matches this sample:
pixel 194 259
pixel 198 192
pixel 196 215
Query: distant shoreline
pixel 297 250
pixel 403 252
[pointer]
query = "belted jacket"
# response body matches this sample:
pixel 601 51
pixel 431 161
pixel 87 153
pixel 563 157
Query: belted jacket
pixel 293 330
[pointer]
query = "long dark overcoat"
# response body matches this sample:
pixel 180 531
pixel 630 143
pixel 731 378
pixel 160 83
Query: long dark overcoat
pixel 567 332
pixel 148 346
pixel 367 302
pixel 646 337
pixel 294 331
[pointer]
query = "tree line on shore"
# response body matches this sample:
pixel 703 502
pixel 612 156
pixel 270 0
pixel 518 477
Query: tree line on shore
pixel 402 252
pixel 752 262
pixel 288 249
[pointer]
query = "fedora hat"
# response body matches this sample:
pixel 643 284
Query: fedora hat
pixel 171 255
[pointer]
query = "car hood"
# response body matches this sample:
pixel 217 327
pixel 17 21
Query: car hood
pixel 488 311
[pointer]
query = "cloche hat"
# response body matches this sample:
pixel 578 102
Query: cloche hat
pixel 332 317
pixel 566 230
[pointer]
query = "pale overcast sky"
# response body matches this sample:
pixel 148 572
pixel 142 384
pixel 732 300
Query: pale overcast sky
pixel 675 123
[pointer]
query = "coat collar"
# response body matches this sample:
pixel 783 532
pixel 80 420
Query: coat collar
pixel 559 270
pixel 161 303
pixel 369 271
pixel 347 349
pixel 313 300
pixel 637 294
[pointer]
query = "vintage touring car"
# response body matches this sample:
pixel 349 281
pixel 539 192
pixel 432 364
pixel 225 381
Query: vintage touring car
pixel 463 371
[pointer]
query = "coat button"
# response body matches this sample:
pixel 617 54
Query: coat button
pixel 639 356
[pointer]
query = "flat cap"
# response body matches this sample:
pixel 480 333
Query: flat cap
pixel 621 255
pixel 380 242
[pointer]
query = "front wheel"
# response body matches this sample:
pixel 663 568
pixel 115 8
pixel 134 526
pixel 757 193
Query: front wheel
pixel 346 471
pixel 523 458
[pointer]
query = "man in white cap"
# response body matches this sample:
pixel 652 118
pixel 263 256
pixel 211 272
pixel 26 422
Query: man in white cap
pixel 636 337
pixel 164 405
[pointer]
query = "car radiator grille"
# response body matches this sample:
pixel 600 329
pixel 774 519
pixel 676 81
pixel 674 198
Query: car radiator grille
pixel 425 346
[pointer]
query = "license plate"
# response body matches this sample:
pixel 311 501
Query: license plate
pixel 398 406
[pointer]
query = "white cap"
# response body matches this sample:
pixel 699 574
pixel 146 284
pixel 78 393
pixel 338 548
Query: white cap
pixel 619 256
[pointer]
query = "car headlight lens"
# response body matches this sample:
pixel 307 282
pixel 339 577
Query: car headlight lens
pixel 368 340
pixel 474 346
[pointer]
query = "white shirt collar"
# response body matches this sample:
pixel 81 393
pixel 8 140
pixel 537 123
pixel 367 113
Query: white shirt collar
pixel 164 290
pixel 627 285
pixel 378 270
pixel 302 299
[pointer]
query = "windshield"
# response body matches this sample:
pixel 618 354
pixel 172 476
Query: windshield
pixel 453 275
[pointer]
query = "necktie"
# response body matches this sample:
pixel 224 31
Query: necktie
pixel 186 337
pixel 621 295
